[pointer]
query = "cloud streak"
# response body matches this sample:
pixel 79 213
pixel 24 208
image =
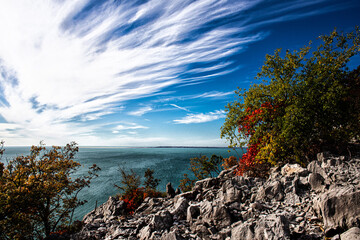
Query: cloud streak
pixel 64 63
pixel 141 111
pixel 201 117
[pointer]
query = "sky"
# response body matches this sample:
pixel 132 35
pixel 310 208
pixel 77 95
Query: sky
pixel 142 73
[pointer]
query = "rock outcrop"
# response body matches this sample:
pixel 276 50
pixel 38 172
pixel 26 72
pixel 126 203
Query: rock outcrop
pixel 293 203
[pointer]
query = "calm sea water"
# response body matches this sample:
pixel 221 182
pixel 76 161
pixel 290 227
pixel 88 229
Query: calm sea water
pixel 169 165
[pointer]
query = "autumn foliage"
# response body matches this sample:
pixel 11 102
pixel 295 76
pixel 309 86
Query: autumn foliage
pixel 308 101
pixel 229 162
pixel 131 192
pixel 38 196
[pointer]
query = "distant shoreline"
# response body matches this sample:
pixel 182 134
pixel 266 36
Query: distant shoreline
pixel 130 147
pixel 149 147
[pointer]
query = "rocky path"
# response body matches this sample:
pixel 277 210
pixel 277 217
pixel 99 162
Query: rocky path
pixel 322 200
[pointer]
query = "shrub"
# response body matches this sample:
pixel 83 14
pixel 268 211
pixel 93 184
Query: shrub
pixel 229 162
pixel 37 194
pixel 308 102
pixel 202 167
pixel 131 192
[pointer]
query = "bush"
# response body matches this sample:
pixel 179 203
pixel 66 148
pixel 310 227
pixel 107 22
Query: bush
pixel 37 194
pixel 229 162
pixel 308 102
pixel 202 167
pixel 131 192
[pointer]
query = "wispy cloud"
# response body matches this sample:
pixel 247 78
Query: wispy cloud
pixel 181 108
pixel 210 95
pixel 201 117
pixel 129 126
pixel 141 111
pixel 214 94
pixel 62 66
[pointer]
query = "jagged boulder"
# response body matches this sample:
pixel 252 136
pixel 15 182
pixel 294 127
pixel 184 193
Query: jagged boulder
pixel 170 192
pixel 272 227
pixel 180 208
pixel 112 207
pixel 242 230
pixel 351 234
pixel 316 181
pixel 340 209
pixel 273 190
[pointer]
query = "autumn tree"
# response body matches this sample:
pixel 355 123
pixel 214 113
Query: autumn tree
pixel 38 195
pixel 131 191
pixel 308 101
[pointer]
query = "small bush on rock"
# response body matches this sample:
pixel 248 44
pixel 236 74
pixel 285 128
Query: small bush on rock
pixel 202 167
pixel 131 192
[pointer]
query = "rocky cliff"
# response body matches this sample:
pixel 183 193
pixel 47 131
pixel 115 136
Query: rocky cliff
pixel 322 200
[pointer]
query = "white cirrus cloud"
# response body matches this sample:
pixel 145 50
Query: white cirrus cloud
pixel 129 126
pixel 63 60
pixel 181 108
pixel 141 111
pixel 201 117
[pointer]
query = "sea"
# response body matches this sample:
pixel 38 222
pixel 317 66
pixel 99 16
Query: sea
pixel 169 165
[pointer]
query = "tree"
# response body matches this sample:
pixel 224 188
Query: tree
pixel 308 101
pixel 202 167
pixel 131 192
pixel 150 182
pixel 37 193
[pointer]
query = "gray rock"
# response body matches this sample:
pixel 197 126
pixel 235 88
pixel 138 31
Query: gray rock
pixel 297 202
pixel 229 192
pixel 188 195
pixel 272 227
pixel 340 209
pixel 321 157
pixel 177 191
pixel 202 231
pixel 316 182
pixel 112 207
pixel 171 236
pixel 145 233
pixel 170 192
pixel 290 169
pixel 180 208
pixel 242 231
pixel 227 173
pixel 205 183
pixel 273 191
pixel 351 234
pixel 257 206
pixel 215 212
pixel 315 167
pixel 161 221
pixel 193 212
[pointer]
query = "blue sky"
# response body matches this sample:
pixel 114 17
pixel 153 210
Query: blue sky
pixel 142 73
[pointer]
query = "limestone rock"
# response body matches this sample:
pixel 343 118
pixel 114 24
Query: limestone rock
pixel 193 212
pixel 351 234
pixel 171 236
pixel 340 209
pixel 272 227
pixel 242 231
pixel 290 169
pixel 316 181
pixel 273 190
pixel 170 192
pixel 291 204
pixel 180 208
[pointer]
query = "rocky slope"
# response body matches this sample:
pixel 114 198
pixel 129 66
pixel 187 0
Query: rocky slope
pixel 293 203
